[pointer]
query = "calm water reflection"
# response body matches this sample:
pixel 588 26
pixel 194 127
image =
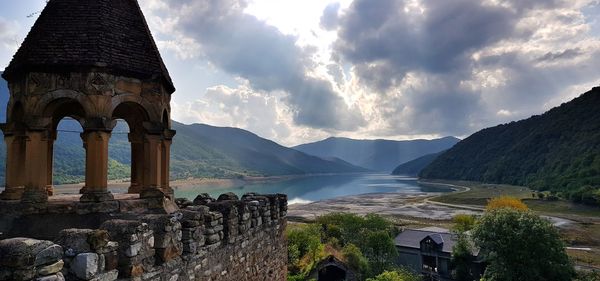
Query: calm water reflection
pixel 316 188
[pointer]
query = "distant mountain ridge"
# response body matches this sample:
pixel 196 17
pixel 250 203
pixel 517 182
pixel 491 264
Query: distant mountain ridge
pixel 376 155
pixel 198 151
pixel 558 150
pixel 228 152
pixel 415 166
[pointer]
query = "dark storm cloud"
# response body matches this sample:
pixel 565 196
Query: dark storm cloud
pixel 388 39
pixel 384 42
pixel 242 45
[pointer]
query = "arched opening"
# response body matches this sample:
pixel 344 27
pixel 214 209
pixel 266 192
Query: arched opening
pixel 67 157
pixel 331 273
pixel 66 163
pixel 119 158
pixel 134 116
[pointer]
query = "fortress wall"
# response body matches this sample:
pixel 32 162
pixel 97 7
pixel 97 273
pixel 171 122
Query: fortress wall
pixel 208 239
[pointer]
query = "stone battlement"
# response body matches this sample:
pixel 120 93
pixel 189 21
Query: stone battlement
pixel 208 239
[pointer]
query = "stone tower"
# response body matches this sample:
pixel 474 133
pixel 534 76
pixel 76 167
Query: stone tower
pixel 94 61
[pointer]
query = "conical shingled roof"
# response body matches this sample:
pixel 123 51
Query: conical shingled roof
pixel 80 35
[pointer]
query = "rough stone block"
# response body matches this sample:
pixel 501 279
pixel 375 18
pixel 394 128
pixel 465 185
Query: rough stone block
pixel 85 266
pixel 111 260
pixel 74 240
pixel 50 269
pixel 25 252
pixel 203 199
pixel 133 249
pixel 107 276
pixel 55 277
pixel 229 196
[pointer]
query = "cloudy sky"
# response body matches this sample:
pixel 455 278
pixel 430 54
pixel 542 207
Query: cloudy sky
pixel 301 70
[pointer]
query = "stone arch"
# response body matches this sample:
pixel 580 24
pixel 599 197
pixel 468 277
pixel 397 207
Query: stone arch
pixel 49 101
pixel 62 106
pixel 134 113
pixel 151 111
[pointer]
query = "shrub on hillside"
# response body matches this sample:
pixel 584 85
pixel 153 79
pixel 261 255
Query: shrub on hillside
pixel 505 202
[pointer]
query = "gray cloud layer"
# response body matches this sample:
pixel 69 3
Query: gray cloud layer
pixel 244 46
pixel 392 43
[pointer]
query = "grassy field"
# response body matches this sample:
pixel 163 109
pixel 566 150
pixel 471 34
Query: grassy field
pixel 479 194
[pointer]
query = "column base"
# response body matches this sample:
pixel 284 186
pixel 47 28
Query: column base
pixel 96 196
pixel 134 189
pixel 12 193
pixel 35 196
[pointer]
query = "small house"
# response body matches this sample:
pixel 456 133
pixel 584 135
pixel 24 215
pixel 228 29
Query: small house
pixel 429 252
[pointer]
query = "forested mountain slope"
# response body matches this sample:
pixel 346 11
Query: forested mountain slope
pixel 558 150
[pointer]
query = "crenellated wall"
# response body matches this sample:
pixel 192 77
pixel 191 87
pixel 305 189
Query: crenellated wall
pixel 223 239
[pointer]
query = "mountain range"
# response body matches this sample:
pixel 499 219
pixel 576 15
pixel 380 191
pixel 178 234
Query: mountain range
pixel 558 150
pixel 415 166
pixel 376 155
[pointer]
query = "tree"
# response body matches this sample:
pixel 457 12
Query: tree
pixel 506 202
pixel 520 246
pixel 355 259
pixel 400 274
pixel 380 251
pixel 462 258
pixel 463 222
pixel 304 248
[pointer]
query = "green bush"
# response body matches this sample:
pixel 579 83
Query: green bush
pixel 399 274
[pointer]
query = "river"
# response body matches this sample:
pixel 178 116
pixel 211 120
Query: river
pixel 314 188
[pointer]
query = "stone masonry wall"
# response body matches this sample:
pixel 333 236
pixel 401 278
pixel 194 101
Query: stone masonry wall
pixel 225 239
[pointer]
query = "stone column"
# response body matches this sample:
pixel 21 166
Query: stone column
pixel 165 159
pixel 50 162
pixel 152 167
pixel 15 167
pixel 96 166
pixel 137 163
pixel 36 158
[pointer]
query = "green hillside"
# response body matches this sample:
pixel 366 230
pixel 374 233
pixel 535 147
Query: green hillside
pixel 414 167
pixel 203 150
pixel 376 155
pixel 559 151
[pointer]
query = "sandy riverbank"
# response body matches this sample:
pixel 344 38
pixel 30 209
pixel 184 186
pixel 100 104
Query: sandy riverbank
pixel 387 204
